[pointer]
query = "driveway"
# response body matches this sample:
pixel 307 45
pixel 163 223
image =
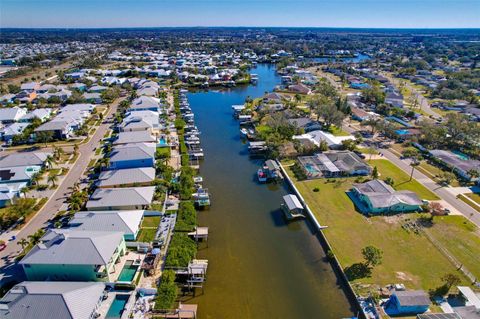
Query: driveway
pixel 8 268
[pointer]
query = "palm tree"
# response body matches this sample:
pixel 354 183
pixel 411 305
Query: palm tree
pixel 58 152
pixel 23 243
pixel 35 178
pixel 49 161
pixel 75 149
pixel 414 163
pixel 52 179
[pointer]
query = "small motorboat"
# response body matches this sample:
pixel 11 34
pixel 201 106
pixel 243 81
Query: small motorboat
pixel 261 175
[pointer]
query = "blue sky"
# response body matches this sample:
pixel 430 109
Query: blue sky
pixel 309 13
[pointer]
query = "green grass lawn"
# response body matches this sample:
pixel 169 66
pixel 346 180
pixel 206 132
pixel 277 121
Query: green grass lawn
pixel 408 258
pixel 464 199
pixel 146 235
pixel 337 131
pixel 401 179
pixel 151 221
pixel 475 197
pixel 461 238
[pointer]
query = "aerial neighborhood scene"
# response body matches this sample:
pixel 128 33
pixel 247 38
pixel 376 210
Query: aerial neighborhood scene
pixel 239 159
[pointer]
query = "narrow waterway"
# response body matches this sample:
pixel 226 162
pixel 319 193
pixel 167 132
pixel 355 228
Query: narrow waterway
pixel 259 266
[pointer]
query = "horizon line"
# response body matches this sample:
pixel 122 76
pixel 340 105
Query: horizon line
pixel 238 27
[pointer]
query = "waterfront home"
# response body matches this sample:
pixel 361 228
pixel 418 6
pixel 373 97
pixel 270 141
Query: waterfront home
pixel 63 255
pixel 333 164
pixel 12 114
pixel 128 198
pixel 145 103
pixel 376 197
pixel 141 176
pixel 134 137
pixel 407 303
pixel 125 221
pixel 314 138
pixel 141 121
pixel 300 89
pixel 49 300
pixel 459 163
pixel 148 91
pixel 307 124
pixel 132 156
pixel 24 159
pixel 273 97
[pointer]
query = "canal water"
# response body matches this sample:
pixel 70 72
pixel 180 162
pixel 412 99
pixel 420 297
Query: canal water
pixel 259 266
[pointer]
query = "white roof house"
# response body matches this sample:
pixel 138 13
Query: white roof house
pixel 128 198
pixel 316 137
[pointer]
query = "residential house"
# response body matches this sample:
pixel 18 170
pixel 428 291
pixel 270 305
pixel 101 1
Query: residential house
pixel 135 137
pixel 41 114
pixel 30 87
pixel 459 163
pixel 300 89
pixel 394 99
pixel 376 197
pixel 334 164
pixel 141 176
pixel 12 114
pixel 97 89
pixel 132 156
pixel 145 103
pixel 95 98
pixel 127 222
pixel 74 255
pixel 306 124
pixel 141 121
pixel 8 132
pixel 128 198
pixel 24 159
pixel 315 138
pixel 403 303
pixel 52 299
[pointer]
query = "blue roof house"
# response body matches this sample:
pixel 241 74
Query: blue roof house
pixel 407 303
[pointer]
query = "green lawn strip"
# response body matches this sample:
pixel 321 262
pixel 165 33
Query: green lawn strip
pixel 463 198
pixel 401 179
pixel 461 238
pixel 337 131
pixel 434 172
pixel 151 221
pixel 475 197
pixel 408 258
pixel 146 235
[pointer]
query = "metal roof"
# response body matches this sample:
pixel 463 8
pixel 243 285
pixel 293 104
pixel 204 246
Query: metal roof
pixel 117 197
pixel 51 300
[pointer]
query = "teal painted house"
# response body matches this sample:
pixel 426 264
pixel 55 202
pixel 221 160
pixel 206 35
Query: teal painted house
pixel 71 255
pixel 376 197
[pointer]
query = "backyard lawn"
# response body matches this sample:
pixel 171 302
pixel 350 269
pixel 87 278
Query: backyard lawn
pixel 408 257
pixel 401 179
pixel 146 235
pixel 151 221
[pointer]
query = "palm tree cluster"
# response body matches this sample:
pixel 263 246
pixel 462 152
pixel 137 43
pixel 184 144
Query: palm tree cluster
pixel 77 199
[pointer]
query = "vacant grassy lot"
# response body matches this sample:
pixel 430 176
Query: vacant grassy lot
pixel 461 238
pixel 401 179
pixel 408 257
pixel 151 221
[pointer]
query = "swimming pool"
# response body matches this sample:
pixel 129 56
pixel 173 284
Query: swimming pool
pixel 117 307
pixel 128 271
pixel 402 132
pixel 461 156
pixel 162 142
pixel 311 169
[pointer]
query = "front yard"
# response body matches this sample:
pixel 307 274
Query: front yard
pixel 401 179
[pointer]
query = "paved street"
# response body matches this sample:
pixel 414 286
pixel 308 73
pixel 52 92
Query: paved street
pixel 441 192
pixel 8 270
